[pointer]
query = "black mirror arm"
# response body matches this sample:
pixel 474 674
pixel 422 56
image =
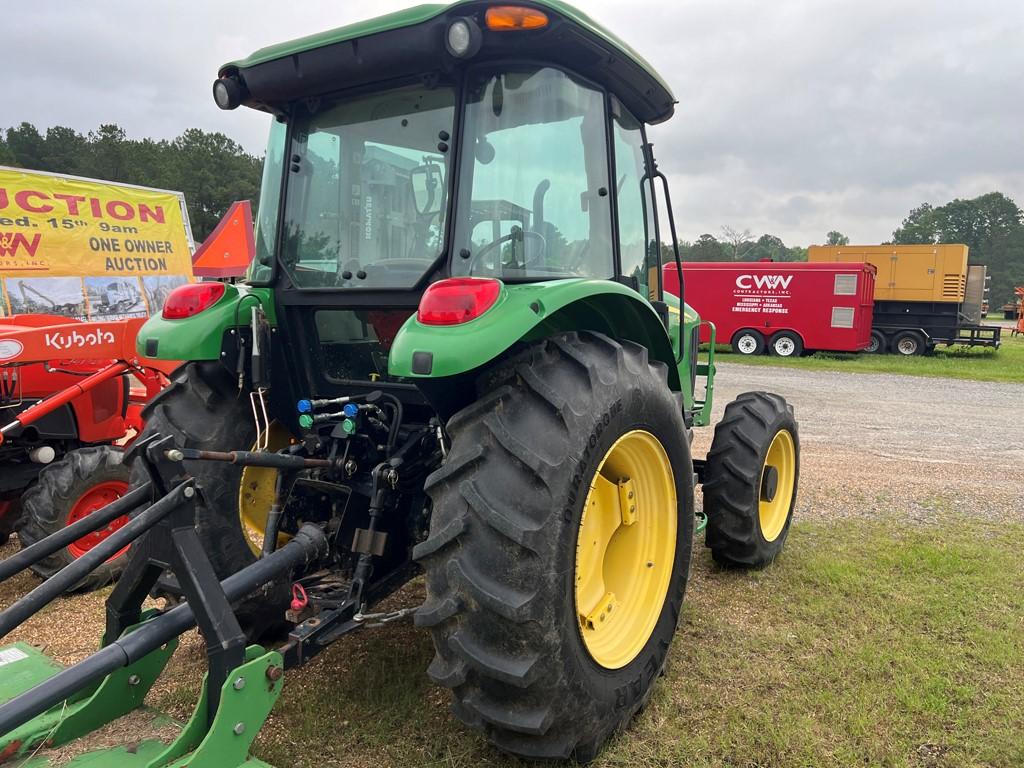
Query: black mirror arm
pixel 652 172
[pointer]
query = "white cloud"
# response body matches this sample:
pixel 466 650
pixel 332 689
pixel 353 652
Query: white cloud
pixel 794 117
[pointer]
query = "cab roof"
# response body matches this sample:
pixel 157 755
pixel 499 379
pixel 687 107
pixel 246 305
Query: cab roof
pixel 413 37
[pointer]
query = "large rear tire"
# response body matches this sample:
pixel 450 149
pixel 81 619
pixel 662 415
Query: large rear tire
pixel 82 481
pixel 561 435
pixel 752 473
pixel 201 408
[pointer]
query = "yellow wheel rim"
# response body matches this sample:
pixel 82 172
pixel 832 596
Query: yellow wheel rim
pixel 778 480
pixel 257 494
pixel 625 549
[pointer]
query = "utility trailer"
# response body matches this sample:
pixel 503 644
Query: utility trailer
pixel 925 295
pixel 782 308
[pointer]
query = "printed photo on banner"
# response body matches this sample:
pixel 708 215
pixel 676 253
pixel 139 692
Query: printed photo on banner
pixel 158 287
pixel 114 298
pixel 46 295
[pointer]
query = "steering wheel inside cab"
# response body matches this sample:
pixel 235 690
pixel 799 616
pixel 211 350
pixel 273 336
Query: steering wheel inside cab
pixel 522 258
pixel 530 258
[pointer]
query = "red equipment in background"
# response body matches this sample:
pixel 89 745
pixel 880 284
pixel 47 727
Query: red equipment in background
pixel 1019 328
pixel 784 308
pixel 71 395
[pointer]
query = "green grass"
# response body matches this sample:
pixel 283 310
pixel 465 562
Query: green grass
pixel 866 644
pixel 980 363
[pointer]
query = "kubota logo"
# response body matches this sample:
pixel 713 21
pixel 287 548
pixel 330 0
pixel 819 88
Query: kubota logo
pixel 770 282
pixel 76 340
pixel 11 243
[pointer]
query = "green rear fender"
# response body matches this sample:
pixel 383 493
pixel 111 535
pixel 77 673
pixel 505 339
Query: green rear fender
pixel 200 337
pixel 525 313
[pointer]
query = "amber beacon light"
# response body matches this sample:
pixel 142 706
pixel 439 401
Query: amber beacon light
pixel 514 18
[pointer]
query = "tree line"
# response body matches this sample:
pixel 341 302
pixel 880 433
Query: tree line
pixel 212 170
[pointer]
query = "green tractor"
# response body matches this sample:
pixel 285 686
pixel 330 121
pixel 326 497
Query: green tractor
pixel 453 356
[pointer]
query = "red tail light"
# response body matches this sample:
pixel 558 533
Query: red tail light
pixel 457 300
pixel 188 300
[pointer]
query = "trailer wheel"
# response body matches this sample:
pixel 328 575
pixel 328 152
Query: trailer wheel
pixel 876 345
pixel 786 344
pixel 751 478
pixel 908 343
pixel 200 408
pixel 66 491
pixel 559 545
pixel 748 342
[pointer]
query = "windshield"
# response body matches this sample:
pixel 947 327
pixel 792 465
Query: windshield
pixel 365 200
pixel 533 191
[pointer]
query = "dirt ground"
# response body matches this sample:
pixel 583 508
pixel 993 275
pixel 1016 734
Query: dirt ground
pixel 909 446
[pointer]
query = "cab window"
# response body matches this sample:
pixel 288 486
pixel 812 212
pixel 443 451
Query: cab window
pixel 637 247
pixel 533 188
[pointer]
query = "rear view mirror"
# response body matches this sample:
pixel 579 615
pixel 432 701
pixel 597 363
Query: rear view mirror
pixel 427 188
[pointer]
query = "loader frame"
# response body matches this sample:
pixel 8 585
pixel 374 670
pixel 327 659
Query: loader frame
pixel 46 706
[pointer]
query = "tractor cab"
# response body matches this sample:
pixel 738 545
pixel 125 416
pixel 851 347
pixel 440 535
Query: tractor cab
pixel 455 156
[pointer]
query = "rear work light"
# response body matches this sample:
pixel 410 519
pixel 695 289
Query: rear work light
pixel 514 18
pixel 187 300
pixel 457 300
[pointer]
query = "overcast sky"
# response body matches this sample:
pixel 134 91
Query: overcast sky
pixel 794 117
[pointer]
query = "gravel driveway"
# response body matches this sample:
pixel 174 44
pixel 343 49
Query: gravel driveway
pixel 903 446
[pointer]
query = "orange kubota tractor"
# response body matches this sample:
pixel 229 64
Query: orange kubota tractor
pixel 71 396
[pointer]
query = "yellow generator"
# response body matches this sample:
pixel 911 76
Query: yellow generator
pixel 925 295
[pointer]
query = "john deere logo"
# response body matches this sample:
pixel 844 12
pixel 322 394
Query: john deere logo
pixel 10 349
pixel 762 282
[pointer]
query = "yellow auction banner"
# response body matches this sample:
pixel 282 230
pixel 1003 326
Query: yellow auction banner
pixel 88 248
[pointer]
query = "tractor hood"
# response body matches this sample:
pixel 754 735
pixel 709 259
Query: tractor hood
pixel 413 42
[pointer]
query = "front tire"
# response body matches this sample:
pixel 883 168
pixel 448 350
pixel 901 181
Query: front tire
pixel 505 583
pixel 751 479
pixel 66 491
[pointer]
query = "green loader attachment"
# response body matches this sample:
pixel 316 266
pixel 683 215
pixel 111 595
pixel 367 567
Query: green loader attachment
pixel 453 360
pixel 45 706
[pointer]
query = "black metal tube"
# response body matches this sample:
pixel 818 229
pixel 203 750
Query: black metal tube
pixel 256 459
pixel 65 536
pixel 309 544
pixel 274 517
pixel 71 574
pixel 679 264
